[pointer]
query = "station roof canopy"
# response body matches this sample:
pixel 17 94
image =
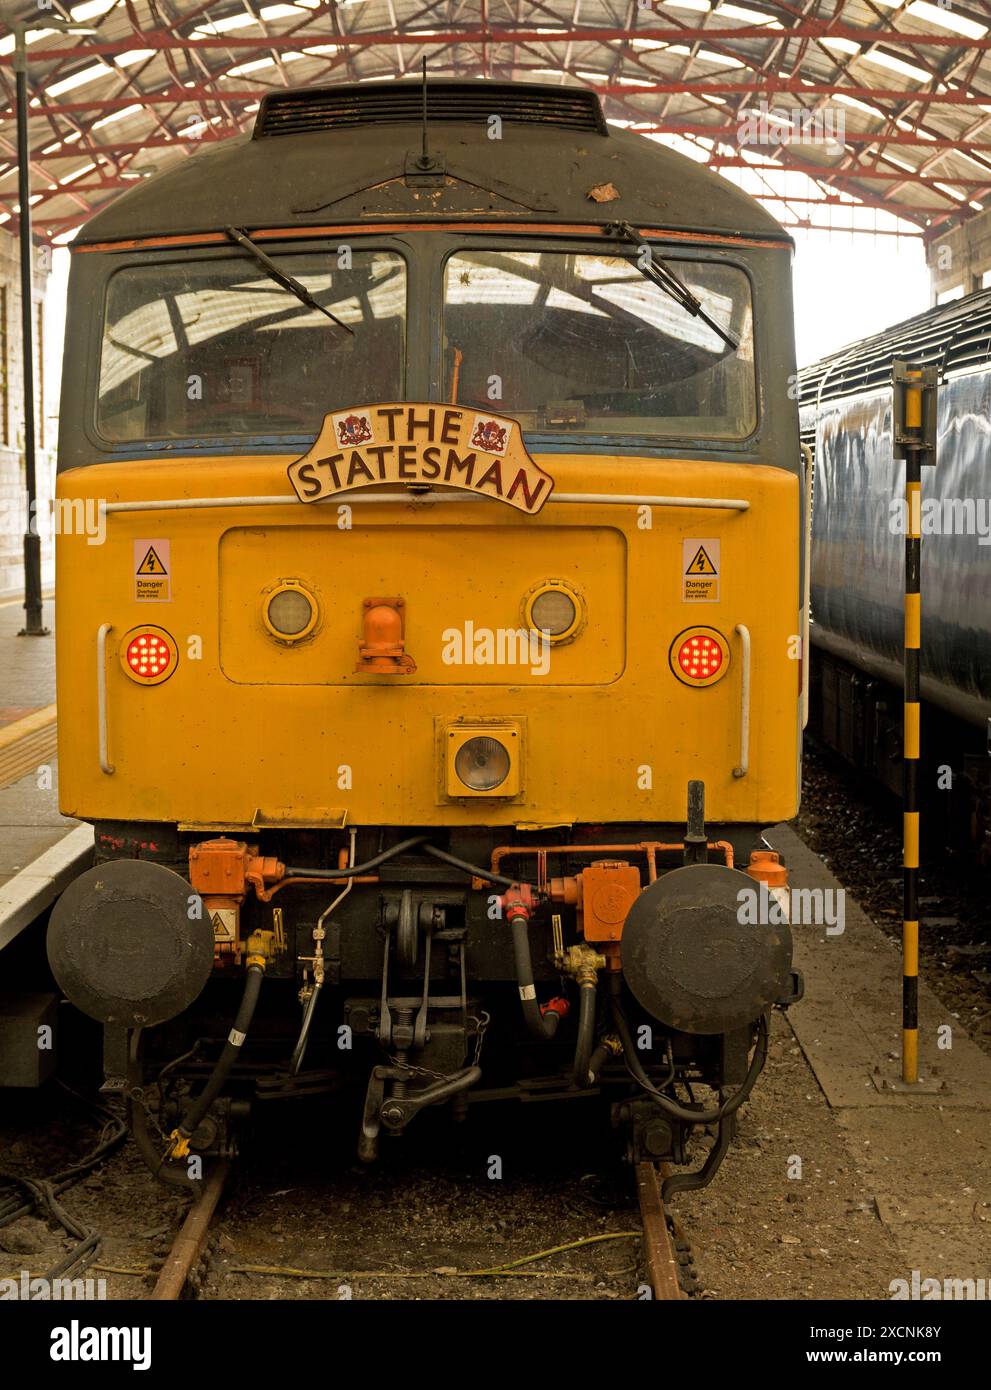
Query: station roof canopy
pixel 872 115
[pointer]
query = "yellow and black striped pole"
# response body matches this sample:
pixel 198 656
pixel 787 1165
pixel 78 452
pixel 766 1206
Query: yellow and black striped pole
pixel 910 740
pixel 914 431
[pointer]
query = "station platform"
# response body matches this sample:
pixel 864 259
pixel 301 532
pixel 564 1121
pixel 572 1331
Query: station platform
pixel 924 1150
pixel 40 849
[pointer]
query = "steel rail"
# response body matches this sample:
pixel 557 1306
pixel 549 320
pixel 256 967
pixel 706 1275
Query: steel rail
pixel 188 1244
pixel 662 1262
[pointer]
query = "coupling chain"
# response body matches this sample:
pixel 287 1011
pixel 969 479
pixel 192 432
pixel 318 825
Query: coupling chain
pixel 480 1030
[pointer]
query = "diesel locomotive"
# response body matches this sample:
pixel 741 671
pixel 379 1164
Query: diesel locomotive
pixel 442 662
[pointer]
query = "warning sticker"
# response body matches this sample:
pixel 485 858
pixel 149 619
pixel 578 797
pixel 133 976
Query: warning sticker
pixel 152 571
pixel 223 920
pixel 700 571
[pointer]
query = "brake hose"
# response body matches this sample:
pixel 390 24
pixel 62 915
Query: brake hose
pixel 697 1117
pixel 596 1062
pixel 542 1024
pixel 225 1062
pixel 583 1072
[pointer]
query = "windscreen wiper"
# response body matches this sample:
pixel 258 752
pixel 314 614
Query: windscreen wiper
pixel 661 274
pixel 281 278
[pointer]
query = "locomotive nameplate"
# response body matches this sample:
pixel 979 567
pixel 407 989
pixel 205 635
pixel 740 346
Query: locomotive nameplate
pixel 425 445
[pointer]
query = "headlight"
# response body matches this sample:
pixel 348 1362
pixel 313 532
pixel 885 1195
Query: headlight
pixel 482 763
pixel 483 757
pixel 290 612
pixel 556 608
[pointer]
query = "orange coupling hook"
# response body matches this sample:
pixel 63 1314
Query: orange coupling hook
pixel 382 650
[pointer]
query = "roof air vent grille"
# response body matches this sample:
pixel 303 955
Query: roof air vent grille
pixel 308 110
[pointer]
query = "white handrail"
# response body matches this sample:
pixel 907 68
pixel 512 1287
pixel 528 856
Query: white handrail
pixel 806 585
pixel 744 766
pixel 101 696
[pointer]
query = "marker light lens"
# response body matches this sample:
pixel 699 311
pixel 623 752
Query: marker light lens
pixel 556 608
pixel 148 655
pixel 553 611
pixel 699 656
pixel 482 763
pixel 289 612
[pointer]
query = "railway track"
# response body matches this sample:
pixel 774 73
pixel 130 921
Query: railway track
pixel 665 1249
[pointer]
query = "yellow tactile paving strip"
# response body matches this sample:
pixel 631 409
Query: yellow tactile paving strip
pixel 26 744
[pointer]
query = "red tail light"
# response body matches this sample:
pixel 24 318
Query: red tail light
pixel 699 656
pixel 148 655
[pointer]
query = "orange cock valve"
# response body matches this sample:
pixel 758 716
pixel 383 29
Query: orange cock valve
pixel 382 650
pixel 226 868
pixel 518 901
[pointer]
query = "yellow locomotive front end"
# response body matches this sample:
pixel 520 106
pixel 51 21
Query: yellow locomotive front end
pixel 267 710
pixel 440 658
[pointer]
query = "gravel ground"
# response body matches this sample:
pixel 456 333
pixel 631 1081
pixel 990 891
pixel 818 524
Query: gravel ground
pixel 761 1232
